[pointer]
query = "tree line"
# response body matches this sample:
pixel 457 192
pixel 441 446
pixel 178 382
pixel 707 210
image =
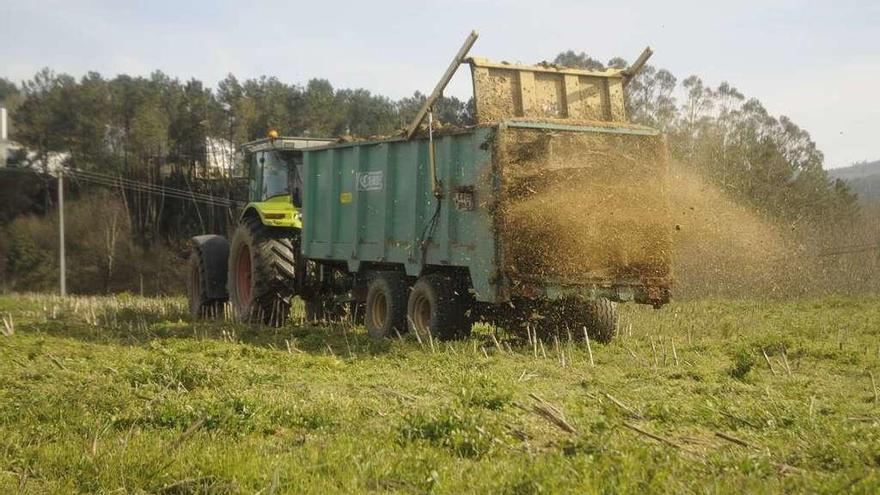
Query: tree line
pixel 139 126
pixel 100 122
pixel 767 161
pixel 135 125
pixel 158 130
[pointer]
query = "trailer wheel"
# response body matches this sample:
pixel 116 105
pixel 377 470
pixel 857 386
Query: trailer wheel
pixel 262 273
pixel 599 316
pixel 385 309
pixel 440 306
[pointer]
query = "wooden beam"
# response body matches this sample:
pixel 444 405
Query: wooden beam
pixel 634 69
pixel 441 85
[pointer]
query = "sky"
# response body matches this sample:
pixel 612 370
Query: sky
pixel 816 62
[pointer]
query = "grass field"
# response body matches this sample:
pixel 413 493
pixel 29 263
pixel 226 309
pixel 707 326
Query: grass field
pixel 129 395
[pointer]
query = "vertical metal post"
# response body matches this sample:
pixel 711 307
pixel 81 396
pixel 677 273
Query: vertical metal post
pixel 61 260
pixel 435 184
pixel 4 134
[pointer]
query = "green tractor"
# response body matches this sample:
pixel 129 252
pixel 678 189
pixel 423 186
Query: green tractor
pixel 260 268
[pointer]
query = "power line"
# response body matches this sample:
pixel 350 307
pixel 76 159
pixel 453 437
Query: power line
pixel 185 195
pixel 153 187
pixel 145 187
pixel 157 190
pixel 149 184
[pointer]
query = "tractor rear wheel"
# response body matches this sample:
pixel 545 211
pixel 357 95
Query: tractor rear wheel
pixel 262 272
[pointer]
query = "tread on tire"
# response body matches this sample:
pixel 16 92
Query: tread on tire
pixel 272 264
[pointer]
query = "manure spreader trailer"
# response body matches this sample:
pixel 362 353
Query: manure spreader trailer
pixel 545 213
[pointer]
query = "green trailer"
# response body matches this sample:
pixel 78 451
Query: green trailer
pixel 541 216
pixel 370 212
pixel 546 213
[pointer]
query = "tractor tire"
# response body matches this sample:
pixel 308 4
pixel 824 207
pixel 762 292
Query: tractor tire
pixel 437 304
pixel 201 305
pixel 262 272
pixel 385 308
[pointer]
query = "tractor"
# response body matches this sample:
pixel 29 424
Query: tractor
pixel 259 268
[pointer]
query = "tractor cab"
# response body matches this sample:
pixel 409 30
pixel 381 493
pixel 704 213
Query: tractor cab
pixel 272 173
pixel 274 184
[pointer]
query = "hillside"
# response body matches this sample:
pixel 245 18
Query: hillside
pixel 863 178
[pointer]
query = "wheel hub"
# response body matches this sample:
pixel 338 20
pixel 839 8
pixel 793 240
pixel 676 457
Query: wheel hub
pixel 379 311
pixel 421 314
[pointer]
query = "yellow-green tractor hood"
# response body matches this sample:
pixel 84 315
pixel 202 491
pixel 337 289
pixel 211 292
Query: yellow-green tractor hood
pixel 277 211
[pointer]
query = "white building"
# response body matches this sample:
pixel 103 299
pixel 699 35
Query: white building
pixel 221 160
pixel 220 157
pixel 54 160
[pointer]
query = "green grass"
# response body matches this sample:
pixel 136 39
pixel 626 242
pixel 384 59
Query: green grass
pixel 129 395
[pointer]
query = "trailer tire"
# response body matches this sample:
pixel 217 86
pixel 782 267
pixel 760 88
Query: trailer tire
pixel 437 304
pixel 262 272
pixel 385 308
pixel 601 319
pixel 569 317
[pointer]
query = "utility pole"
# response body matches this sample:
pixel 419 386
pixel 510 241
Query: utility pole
pixel 61 261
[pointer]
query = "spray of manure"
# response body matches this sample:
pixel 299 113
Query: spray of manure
pixel 598 207
pixel 582 207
